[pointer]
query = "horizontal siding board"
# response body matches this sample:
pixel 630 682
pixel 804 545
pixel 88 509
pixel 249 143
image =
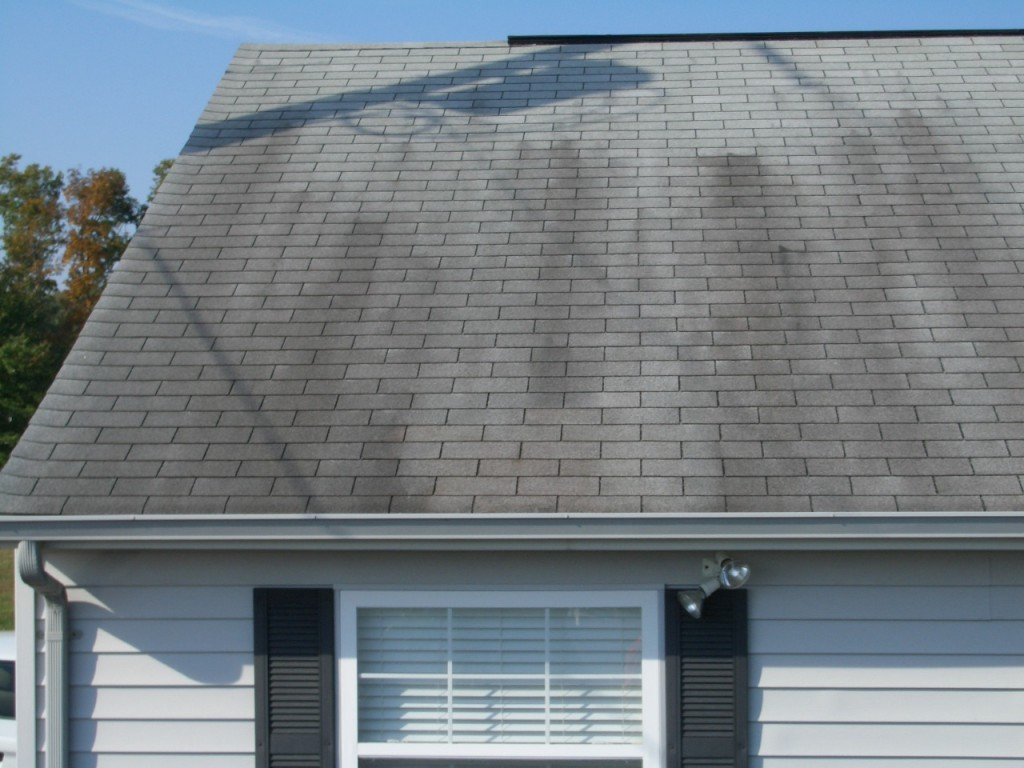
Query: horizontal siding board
pixel 884 740
pixel 817 603
pixel 892 706
pixel 236 569
pixel 1008 603
pixel 887 636
pixel 1007 569
pixel 162 636
pixel 137 759
pixel 162 738
pixel 887 671
pixel 873 762
pixel 905 603
pixel 164 669
pixel 159 569
pixel 910 569
pixel 104 603
pixel 154 703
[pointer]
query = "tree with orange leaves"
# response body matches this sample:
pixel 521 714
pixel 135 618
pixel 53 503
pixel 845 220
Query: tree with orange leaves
pixel 42 308
pixel 32 218
pixel 101 217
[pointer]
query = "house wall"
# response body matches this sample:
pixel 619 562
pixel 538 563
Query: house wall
pixel 896 660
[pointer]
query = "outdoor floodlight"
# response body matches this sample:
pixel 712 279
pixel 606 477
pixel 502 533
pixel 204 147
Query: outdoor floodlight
pixel 733 575
pixel 692 602
pixel 723 571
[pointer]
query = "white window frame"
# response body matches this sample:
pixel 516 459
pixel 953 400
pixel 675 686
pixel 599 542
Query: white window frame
pixel 650 752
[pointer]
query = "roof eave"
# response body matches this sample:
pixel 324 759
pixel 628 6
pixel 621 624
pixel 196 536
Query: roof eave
pixel 684 531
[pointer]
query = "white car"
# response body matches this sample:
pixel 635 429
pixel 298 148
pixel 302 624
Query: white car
pixel 8 729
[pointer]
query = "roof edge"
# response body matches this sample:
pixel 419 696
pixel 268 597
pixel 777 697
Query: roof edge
pixel 685 531
pixel 349 45
pixel 702 37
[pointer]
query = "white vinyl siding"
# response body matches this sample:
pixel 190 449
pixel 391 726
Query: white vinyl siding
pixel 857 660
pixel 912 670
pixel 158 672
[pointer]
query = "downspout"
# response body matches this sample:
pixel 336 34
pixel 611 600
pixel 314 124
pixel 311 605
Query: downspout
pixel 32 572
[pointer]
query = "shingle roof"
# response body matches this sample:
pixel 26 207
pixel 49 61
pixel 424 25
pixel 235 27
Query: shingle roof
pixel 678 276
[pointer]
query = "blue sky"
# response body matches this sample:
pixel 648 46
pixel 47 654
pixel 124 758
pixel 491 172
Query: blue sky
pixel 95 83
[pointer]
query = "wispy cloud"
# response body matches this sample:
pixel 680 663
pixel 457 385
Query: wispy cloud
pixel 248 28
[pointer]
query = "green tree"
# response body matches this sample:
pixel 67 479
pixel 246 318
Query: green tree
pixel 74 231
pixel 160 171
pixel 31 316
pixel 27 366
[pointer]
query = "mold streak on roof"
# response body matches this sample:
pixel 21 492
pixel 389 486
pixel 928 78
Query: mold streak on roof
pixel 703 276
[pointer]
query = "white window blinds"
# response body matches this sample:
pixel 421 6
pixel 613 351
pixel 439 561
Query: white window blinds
pixel 469 675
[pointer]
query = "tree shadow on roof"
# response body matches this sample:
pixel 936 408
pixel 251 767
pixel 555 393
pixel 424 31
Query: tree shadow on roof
pixel 419 105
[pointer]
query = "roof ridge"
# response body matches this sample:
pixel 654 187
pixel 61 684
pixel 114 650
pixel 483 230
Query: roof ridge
pixel 524 40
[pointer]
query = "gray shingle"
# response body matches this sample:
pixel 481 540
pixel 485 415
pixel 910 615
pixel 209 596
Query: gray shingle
pixel 661 286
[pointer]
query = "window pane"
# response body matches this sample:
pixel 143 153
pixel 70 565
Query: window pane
pixel 392 763
pixel 595 641
pixel 494 675
pixel 406 710
pixel 504 711
pixel 493 641
pixel 595 712
pixel 595 676
pixel 403 640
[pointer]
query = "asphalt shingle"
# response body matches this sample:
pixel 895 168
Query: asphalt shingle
pixel 649 277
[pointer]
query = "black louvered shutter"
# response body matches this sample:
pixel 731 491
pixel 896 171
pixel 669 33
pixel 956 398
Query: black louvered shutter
pixel 294 647
pixel 706 666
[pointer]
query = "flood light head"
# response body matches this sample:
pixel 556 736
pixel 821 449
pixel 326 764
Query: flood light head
pixel 692 602
pixel 733 575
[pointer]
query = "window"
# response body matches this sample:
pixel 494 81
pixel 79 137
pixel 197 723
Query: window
pixel 573 677
pixel 508 679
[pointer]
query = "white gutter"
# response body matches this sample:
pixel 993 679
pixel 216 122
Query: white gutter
pixel 32 572
pixel 548 531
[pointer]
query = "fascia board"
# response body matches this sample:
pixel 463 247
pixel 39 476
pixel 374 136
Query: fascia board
pixel 768 531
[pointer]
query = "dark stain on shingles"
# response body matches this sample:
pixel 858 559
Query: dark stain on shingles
pixel 748 269
pixel 506 86
pixel 553 387
pixel 918 256
pixel 485 284
pixel 557 239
